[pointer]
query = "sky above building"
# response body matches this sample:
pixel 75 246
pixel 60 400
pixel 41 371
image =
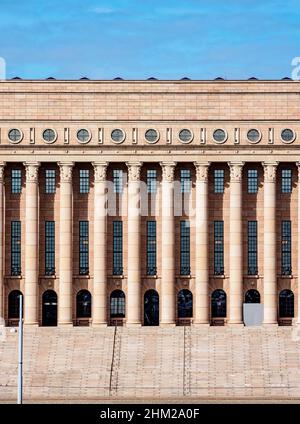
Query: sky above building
pixel 138 39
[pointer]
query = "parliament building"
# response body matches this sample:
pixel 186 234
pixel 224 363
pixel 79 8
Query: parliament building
pixel 143 203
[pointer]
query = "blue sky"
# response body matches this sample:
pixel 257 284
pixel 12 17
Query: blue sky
pixel 145 38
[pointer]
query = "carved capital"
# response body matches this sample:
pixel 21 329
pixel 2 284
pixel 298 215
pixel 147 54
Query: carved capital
pixel 32 172
pixel 202 171
pixel 66 171
pixel 236 169
pixel 2 165
pixel 134 170
pixel 270 172
pixel 168 169
pixel 100 171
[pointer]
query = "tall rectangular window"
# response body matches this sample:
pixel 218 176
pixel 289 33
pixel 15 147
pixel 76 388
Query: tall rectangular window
pixel 151 181
pixel 185 180
pixel 84 181
pixel 219 181
pixel 117 247
pixel 252 248
pixel 286 248
pixel 252 181
pixel 286 180
pixel 49 248
pixel 185 268
pixel 118 180
pixel 83 247
pixel 16 181
pixel 15 253
pixel 50 181
pixel 218 247
pixel 151 247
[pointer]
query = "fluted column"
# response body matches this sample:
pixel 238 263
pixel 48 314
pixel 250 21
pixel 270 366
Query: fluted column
pixel 65 245
pixel 201 225
pixel 270 283
pixel 31 244
pixel 236 245
pixel 167 302
pixel 298 280
pixel 133 245
pixel 2 164
pixel 99 306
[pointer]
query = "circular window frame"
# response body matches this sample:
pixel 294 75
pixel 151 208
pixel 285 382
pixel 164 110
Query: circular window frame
pixel 21 136
pixel 189 141
pixel 259 138
pixel 52 141
pixel 225 139
pixel 291 141
pixel 123 138
pixel 89 133
pixel 157 138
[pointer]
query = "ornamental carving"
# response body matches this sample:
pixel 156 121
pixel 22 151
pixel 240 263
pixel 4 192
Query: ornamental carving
pixel 270 172
pixel 100 171
pixel 66 172
pixel 2 172
pixel 168 171
pixel 202 171
pixel 134 170
pixel 236 171
pixel 32 172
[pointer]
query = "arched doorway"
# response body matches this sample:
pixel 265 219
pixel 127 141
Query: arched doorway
pixel 151 307
pixel 218 304
pixel 117 304
pixel 185 303
pixel 252 296
pixel 14 304
pixel 286 304
pixel 83 304
pixel 49 308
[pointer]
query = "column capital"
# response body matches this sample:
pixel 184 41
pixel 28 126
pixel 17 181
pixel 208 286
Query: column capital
pixel 236 169
pixel 32 171
pixel 66 171
pixel 100 171
pixel 134 170
pixel 168 170
pixel 202 171
pixel 270 171
pixel 2 165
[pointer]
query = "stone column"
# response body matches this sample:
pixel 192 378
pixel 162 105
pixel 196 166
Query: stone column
pixel 2 165
pixel 298 280
pixel 31 244
pixel 201 226
pixel 167 302
pixel 236 245
pixel 65 299
pixel 270 281
pixel 99 305
pixel 134 283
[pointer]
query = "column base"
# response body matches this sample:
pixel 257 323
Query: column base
pixel 235 324
pixel 99 324
pixel 133 324
pixel 270 324
pixel 65 324
pixel 30 324
pixel 167 324
pixel 200 324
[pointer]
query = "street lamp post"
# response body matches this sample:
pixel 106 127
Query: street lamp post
pixel 20 353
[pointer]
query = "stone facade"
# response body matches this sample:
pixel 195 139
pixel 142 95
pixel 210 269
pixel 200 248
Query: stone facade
pixel 135 107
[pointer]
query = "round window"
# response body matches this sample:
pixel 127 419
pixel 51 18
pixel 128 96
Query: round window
pixel 118 136
pixel 253 136
pixel 185 136
pixel 220 136
pixel 151 136
pixel 49 135
pixel 15 135
pixel 288 135
pixel 83 136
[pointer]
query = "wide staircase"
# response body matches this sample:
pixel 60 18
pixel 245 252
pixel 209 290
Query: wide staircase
pixel 85 363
